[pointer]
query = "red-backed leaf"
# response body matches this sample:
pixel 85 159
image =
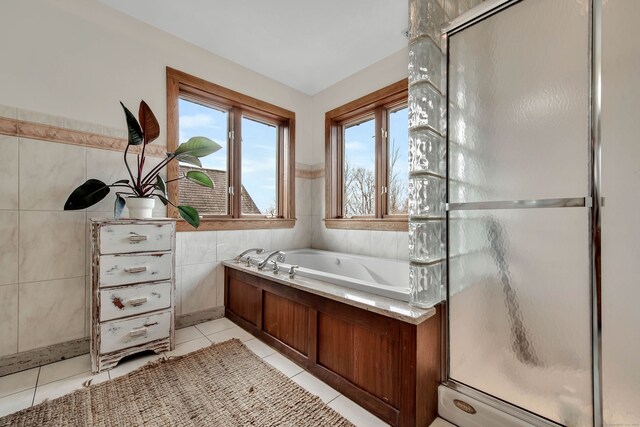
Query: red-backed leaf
pixel 148 122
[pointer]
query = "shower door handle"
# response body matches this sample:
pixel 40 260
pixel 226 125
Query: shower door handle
pixel 568 202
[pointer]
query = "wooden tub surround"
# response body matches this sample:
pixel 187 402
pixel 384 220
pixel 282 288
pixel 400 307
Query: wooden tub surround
pixel 386 360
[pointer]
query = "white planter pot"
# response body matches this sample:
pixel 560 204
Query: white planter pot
pixel 140 207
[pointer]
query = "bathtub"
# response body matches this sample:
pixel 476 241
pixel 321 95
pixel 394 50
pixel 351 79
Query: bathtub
pixel 379 276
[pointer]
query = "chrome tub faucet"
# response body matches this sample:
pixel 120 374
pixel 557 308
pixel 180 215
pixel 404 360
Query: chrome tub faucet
pixel 281 256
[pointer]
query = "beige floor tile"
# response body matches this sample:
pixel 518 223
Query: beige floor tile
pixel 259 348
pixel 314 386
pixel 187 334
pixel 20 381
pixel 439 422
pixel 67 385
pixel 355 413
pixel 15 402
pixel 214 326
pixel 228 334
pixel 188 347
pixel 283 364
pixel 64 369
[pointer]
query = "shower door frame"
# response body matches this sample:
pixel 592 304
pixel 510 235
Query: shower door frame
pixel 594 201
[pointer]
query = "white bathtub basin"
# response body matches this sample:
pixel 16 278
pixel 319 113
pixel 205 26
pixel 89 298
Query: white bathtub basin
pixel 379 276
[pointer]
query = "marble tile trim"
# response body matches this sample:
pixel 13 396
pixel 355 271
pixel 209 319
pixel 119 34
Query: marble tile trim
pixel 40 356
pixel 309 171
pixel 65 135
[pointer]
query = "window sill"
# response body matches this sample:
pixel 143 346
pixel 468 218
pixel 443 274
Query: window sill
pixel 236 224
pixel 386 224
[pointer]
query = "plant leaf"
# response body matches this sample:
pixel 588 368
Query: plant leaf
pixel 163 199
pixel 118 206
pixel 122 181
pixel 160 185
pixel 88 194
pixel 200 178
pixel 198 146
pixel 148 122
pixel 188 158
pixel 135 132
pixel 190 215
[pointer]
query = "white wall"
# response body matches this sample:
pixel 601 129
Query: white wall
pixel 67 63
pixel 77 58
pixel 386 244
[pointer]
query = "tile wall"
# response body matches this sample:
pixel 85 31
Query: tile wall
pixel 382 244
pixel 44 251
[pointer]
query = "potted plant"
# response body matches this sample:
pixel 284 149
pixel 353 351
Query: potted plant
pixel 139 190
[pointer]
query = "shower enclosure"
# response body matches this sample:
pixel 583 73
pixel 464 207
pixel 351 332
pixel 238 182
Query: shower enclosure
pixel 510 97
pixel 519 208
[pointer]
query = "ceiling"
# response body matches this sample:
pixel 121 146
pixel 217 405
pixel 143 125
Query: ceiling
pixel 305 44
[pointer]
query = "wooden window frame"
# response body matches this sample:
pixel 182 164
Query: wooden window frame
pixel 186 86
pixel 378 104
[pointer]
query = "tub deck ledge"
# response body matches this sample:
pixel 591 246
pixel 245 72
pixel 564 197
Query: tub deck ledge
pixel 388 307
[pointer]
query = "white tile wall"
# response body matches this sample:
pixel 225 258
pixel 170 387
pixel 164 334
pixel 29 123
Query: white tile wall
pixel 382 244
pixel 199 247
pixel 198 287
pixel 47 172
pixel 51 245
pixel 200 283
pixel 9 245
pixel 9 172
pixel 8 319
pixel 50 312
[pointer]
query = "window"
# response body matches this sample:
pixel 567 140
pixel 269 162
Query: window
pixel 367 161
pixel 253 173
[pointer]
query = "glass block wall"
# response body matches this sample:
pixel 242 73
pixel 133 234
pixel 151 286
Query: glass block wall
pixel 427 146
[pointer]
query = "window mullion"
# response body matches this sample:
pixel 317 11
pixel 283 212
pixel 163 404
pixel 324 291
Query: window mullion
pixel 381 162
pixel 236 167
pixel 337 159
pixel 280 171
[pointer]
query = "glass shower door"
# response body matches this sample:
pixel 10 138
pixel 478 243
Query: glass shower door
pixel 518 215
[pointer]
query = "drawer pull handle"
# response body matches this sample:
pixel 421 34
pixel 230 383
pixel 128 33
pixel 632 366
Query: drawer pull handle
pixel 135 302
pixel 133 270
pixel 138 332
pixel 137 238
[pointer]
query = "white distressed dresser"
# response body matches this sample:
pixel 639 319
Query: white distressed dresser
pixel 132 288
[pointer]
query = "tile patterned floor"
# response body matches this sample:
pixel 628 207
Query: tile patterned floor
pixel 23 389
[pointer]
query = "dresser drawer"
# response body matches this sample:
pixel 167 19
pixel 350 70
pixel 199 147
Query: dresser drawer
pixel 131 268
pixel 126 301
pixel 130 238
pixel 119 334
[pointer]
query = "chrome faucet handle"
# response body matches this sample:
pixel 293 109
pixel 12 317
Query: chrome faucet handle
pixel 248 261
pixel 275 266
pixel 292 271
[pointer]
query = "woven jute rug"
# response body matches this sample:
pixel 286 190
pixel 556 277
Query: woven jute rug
pixel 222 385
